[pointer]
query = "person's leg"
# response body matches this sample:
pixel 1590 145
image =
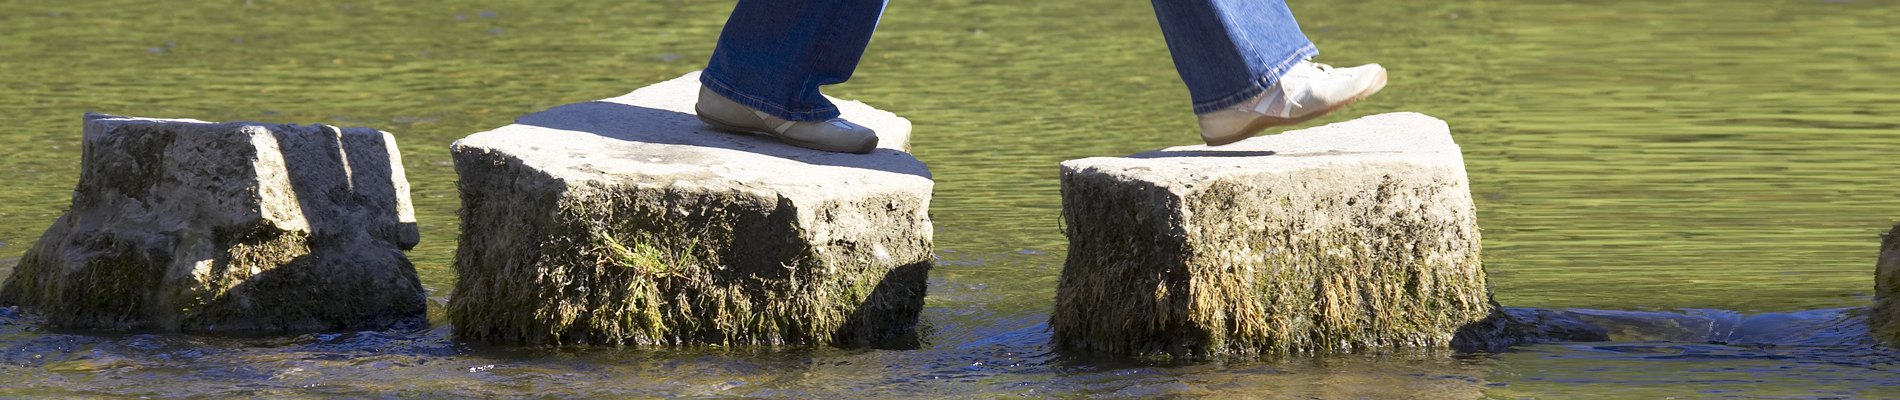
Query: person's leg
pixel 1228 51
pixel 774 54
pixel 1244 63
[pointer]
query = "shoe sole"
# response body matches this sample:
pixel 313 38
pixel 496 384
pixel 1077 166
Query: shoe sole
pixel 741 129
pixel 1262 123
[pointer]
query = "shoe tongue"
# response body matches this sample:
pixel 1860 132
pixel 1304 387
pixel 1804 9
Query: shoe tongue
pixel 1306 69
pixel 841 123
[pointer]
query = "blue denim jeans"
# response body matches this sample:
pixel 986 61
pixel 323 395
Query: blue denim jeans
pixel 774 54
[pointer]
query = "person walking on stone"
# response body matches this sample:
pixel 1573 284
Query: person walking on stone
pixel 1245 62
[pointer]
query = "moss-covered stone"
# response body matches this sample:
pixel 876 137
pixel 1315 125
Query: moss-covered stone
pixel 626 221
pixel 1353 236
pixel 181 225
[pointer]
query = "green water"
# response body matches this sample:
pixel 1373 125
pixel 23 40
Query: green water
pixel 1624 155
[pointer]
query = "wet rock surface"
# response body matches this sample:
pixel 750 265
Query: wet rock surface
pixel 1355 235
pixel 1884 318
pixel 1510 326
pixel 184 225
pixel 628 221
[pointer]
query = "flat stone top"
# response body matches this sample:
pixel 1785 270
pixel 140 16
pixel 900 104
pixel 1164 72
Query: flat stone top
pixel 653 135
pixel 118 119
pixel 1403 136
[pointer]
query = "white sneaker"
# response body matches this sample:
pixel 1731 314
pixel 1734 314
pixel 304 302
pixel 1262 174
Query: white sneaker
pixel 1307 91
pixel 831 135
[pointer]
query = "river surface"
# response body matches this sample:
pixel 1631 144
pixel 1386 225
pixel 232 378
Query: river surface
pixel 1708 179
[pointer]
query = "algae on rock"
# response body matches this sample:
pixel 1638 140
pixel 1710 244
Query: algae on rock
pixel 627 221
pixel 183 225
pixel 1353 236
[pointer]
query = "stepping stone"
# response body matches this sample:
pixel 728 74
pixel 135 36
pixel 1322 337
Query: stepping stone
pixel 1352 236
pixel 628 221
pixel 243 227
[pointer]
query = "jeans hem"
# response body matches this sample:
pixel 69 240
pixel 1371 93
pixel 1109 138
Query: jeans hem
pixel 1265 79
pixel 756 103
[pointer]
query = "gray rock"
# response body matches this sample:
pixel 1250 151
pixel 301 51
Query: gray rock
pixel 184 225
pixel 628 221
pixel 1351 236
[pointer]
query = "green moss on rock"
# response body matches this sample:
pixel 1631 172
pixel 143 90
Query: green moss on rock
pixel 181 225
pixel 627 221
pixel 1197 255
pixel 661 265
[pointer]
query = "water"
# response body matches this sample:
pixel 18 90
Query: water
pixel 1646 163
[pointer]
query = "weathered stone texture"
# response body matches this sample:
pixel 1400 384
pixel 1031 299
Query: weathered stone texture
pixel 628 221
pixel 184 225
pixel 1351 236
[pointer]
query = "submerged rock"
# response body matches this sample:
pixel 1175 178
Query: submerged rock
pixel 628 221
pixel 1355 235
pixel 1509 327
pixel 184 225
pixel 1884 319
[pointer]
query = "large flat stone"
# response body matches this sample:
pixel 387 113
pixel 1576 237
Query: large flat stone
pixel 1351 236
pixel 628 221
pixel 184 225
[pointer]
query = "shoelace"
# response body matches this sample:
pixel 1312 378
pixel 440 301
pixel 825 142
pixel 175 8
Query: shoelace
pixel 1287 91
pixel 1285 100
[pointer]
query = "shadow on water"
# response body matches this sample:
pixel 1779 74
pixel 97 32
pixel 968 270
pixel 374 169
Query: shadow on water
pixel 651 125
